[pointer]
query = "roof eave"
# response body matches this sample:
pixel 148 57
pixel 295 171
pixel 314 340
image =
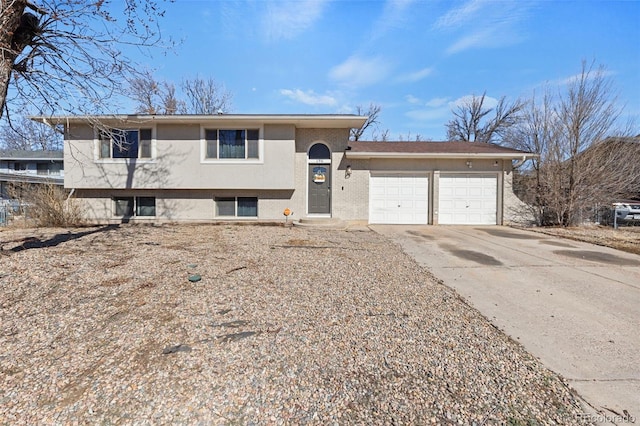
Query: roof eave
pixel 299 120
pixel 431 155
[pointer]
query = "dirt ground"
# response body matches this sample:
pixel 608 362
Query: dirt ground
pixel 624 238
pixel 250 325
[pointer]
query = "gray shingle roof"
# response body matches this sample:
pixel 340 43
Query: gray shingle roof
pixel 455 147
pixel 30 155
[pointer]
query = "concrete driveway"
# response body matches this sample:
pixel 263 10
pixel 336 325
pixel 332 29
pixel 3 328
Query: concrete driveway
pixel 575 306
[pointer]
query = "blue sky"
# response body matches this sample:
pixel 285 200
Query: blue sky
pixel 414 58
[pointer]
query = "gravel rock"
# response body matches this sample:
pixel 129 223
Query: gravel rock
pixel 287 326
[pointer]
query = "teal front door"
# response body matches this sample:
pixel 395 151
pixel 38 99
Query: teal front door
pixel 319 189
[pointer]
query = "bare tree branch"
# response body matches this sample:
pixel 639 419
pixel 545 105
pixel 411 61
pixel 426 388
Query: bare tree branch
pixel 206 96
pixel 69 58
pixel 372 113
pixel 580 165
pixel 470 122
pixel 28 135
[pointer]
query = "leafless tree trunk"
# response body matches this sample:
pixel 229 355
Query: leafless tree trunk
pixel 578 166
pixel 471 122
pixel 372 114
pixel 586 113
pixel 63 56
pixel 10 16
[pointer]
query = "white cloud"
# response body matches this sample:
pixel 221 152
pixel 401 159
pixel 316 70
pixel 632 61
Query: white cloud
pixel 484 24
pixel 459 16
pixel 466 100
pixel 393 16
pixel 483 38
pixel 358 71
pixel 309 97
pixel 437 102
pixel 595 73
pixel 412 99
pixel 287 19
pixel 417 75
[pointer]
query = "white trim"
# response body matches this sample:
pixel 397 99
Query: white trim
pixel 301 121
pixel 420 173
pixel 368 155
pixel 203 147
pixel 154 148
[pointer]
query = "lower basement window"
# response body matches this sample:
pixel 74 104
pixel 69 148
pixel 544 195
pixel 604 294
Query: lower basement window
pixel 236 206
pixel 134 206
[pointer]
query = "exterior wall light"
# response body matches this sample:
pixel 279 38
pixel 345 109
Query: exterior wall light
pixel 347 172
pixel 469 164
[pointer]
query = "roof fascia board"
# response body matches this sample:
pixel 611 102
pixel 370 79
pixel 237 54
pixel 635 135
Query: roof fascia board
pixel 300 121
pixel 370 155
pixel 3 158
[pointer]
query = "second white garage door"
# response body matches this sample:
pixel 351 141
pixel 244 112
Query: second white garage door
pixel 398 199
pixel 468 199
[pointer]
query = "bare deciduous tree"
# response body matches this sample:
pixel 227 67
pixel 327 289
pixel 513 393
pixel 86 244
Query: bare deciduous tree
pixel 206 96
pixel 471 120
pixel 65 55
pixel 372 113
pixel 28 135
pixel 579 166
pixel 153 96
pixel 382 136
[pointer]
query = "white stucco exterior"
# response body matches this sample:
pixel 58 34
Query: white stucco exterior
pixel 183 182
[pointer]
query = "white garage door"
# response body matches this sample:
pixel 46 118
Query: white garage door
pixel 468 199
pixel 398 199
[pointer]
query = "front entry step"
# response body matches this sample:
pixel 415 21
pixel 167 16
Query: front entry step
pixel 321 222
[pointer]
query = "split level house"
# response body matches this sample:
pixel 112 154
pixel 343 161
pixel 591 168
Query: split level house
pixel 208 168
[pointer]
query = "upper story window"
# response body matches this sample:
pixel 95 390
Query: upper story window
pixel 118 143
pixel 234 144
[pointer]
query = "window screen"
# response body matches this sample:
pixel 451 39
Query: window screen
pixel 145 206
pixel 124 206
pixel 225 206
pixel 248 206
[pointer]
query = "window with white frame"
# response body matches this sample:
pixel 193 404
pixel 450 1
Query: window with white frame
pixel 134 206
pixel 236 206
pixel 232 143
pixel 118 143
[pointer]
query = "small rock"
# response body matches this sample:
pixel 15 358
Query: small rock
pixel 176 348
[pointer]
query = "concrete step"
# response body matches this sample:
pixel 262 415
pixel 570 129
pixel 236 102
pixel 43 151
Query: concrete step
pixel 321 222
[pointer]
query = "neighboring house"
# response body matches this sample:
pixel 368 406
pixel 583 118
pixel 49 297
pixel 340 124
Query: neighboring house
pixel 253 167
pixel 30 167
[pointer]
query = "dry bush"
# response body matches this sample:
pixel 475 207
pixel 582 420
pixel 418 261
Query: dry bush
pixel 48 205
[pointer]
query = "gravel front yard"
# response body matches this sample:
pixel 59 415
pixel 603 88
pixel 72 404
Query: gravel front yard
pixel 286 326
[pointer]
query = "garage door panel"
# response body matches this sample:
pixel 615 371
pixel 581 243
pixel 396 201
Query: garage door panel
pixel 398 199
pixel 469 199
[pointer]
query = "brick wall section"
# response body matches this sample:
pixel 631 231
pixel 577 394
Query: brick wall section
pixel 515 210
pixel 349 194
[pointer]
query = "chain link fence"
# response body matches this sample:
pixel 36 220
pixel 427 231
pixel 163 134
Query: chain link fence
pixel 11 210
